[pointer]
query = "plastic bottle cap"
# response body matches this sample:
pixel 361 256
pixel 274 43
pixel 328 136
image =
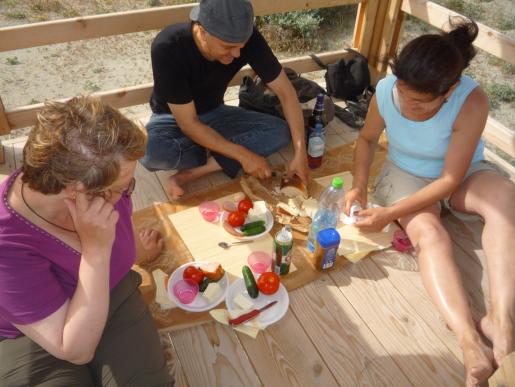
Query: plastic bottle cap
pixel 337 182
pixel 328 237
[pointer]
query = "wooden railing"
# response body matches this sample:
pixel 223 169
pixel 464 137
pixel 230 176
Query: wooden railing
pixel 376 34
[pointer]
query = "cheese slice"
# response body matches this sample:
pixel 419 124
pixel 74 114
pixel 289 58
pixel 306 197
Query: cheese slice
pixel 220 315
pixel 212 291
pixel 250 331
pixel 243 302
pixel 258 212
pixel 161 278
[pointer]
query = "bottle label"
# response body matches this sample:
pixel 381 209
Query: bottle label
pixel 316 147
pixel 329 258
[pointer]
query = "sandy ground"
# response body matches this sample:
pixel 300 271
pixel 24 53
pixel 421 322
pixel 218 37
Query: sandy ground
pixel 33 75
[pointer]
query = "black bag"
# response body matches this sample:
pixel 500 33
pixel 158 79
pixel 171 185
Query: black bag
pixel 255 95
pixel 347 78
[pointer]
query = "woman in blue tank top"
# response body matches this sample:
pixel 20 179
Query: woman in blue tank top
pixel 434 118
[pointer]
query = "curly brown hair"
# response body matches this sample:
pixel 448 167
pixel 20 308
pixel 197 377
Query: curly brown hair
pixel 80 140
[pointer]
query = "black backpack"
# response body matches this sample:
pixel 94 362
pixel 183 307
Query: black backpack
pixel 348 77
pixel 255 95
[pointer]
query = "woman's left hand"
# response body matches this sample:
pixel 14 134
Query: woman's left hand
pixel 152 244
pixel 375 219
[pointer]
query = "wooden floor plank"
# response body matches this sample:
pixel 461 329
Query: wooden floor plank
pixel 148 189
pixel 407 338
pixel 174 364
pixel 402 271
pixel 283 355
pixel 9 165
pixel 351 351
pixel 211 355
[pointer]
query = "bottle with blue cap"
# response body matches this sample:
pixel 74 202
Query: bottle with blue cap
pixel 328 211
pixel 326 249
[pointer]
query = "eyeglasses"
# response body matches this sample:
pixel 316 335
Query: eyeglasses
pixel 108 193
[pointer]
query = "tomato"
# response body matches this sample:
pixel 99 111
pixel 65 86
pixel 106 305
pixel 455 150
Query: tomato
pixel 236 218
pixel 193 273
pixel 245 205
pixel 268 283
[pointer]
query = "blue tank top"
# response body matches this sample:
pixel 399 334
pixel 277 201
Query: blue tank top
pixel 420 147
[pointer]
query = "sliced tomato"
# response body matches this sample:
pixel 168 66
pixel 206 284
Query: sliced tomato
pixel 193 273
pixel 268 283
pixel 236 218
pixel 245 205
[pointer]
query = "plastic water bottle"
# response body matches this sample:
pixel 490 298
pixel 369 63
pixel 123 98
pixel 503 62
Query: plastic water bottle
pixel 316 117
pixel 328 211
pixel 316 145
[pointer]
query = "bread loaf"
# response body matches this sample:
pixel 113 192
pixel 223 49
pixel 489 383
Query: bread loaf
pixel 293 187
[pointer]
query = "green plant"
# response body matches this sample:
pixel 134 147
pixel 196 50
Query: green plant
pixel 508 68
pixel 498 92
pixel 98 70
pixel 15 15
pixel 45 5
pixel 12 60
pixel 506 23
pixel 153 3
pixel 33 101
pixel 473 10
pixel 456 5
pixel 90 86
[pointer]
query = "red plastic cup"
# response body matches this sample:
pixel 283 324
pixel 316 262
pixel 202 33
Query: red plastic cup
pixel 259 261
pixel 210 211
pixel 185 290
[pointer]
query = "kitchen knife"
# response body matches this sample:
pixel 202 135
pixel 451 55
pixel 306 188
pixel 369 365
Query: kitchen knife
pixel 250 315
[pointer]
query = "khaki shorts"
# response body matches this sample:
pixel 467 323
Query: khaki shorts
pixel 394 184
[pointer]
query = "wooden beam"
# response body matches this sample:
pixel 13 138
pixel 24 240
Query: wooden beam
pixel 500 136
pixel 489 40
pixel 364 27
pixel 88 27
pixel 390 35
pixel 24 116
pixel 4 123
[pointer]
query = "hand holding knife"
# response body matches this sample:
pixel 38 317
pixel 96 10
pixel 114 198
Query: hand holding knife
pixel 250 315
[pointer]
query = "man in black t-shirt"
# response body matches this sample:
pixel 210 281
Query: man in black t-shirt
pixel 191 129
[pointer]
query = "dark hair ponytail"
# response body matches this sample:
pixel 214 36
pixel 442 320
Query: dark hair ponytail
pixel 433 63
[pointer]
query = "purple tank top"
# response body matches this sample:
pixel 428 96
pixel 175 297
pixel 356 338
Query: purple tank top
pixel 38 272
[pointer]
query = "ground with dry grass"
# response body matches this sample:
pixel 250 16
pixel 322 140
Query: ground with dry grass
pixel 32 75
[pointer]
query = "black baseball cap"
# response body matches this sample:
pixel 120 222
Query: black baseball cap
pixel 229 20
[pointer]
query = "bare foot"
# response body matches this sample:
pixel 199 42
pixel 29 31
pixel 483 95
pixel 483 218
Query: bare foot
pixel 478 362
pixel 173 187
pixel 152 244
pixel 501 336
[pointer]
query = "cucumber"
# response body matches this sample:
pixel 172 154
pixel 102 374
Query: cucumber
pixel 252 225
pixel 250 282
pixel 254 230
pixel 204 284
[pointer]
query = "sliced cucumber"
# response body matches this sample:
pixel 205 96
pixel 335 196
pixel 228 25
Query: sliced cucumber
pixel 254 230
pixel 248 226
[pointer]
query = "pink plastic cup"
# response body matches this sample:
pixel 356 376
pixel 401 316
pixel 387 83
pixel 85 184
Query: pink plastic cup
pixel 259 261
pixel 185 290
pixel 210 211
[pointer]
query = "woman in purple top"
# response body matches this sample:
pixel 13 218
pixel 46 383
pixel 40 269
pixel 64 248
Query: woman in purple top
pixel 70 310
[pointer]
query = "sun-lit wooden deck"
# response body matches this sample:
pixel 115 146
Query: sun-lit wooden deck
pixel 367 324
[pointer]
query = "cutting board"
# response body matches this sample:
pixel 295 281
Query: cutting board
pixel 201 238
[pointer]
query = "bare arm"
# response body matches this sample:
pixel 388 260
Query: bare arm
pixel 187 118
pixel 467 130
pixel 73 331
pixel 363 155
pixel 284 90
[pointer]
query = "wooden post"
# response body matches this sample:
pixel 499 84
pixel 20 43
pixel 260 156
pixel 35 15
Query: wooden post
pixel 4 129
pixel 364 26
pixel 389 35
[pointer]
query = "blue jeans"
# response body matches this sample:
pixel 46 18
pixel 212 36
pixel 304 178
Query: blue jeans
pixel 169 148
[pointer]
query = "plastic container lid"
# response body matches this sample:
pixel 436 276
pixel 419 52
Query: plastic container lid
pixel 328 237
pixel 337 182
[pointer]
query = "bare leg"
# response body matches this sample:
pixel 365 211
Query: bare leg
pixel 492 197
pixel 176 182
pixel 442 280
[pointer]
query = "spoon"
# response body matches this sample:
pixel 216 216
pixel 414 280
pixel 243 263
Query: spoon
pixel 225 245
